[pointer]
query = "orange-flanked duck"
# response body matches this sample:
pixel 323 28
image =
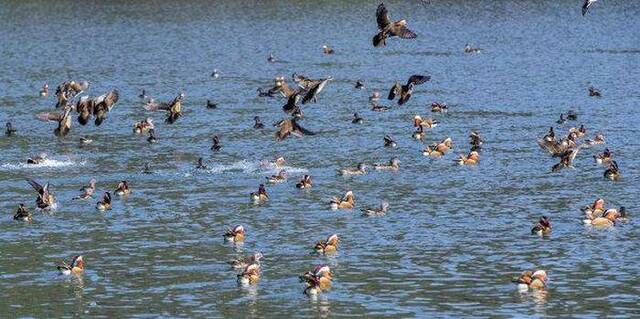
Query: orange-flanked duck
pixel 427 123
pixel 543 227
pixel 346 202
pixel 532 279
pixel 327 246
pixel 235 234
pixel 317 280
pixel 105 203
pixel 327 50
pixel 438 149
pixel 87 191
pixel 250 275
pixel 22 214
pixel 76 266
pixel 123 188
pixel 143 126
pixel 260 195
pixel 305 182
pixel 471 159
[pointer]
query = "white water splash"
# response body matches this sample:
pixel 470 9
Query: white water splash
pixel 249 167
pixel 48 163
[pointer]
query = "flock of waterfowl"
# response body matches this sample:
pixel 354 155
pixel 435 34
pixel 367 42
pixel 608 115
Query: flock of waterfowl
pixel 71 97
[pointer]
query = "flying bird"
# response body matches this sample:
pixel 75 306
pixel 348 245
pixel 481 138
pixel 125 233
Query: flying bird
pixel 388 29
pixel 63 119
pixel 586 5
pixel 405 91
pixel 288 127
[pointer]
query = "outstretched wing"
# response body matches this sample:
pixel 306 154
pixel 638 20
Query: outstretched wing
pixel 48 116
pixel 417 79
pixel 395 90
pixel 382 17
pixel 299 130
pixel 35 185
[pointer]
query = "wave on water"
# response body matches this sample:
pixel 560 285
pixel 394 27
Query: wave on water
pixel 48 163
pixel 249 167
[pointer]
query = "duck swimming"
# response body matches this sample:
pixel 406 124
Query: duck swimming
pixel 235 235
pixel 152 136
pixel 419 134
pixel 250 275
pixel 76 266
pixel 346 202
pixel 317 280
pixel 327 50
pixel 260 195
pixel 471 49
pixel 377 107
pixel 279 162
pixel 532 279
pixel 143 126
pixel 45 90
pixel 305 182
pixel 105 203
pixel 37 159
pixel 561 120
pixel 405 91
pixel 375 96
pixel 327 246
pixel 215 74
pixel 389 142
pixel 257 124
pixel 371 212
pixel 389 29
pixel 46 200
pixel 123 188
pixel 597 140
pixel 475 141
pixel 216 143
pixel 9 131
pixel 200 164
pixel 572 115
pixel 437 107
pixel 607 219
pixel 85 141
pixel 361 169
pixel 357 119
pixel 428 123
pixel 23 214
pixel 243 262
pixel 87 191
pixel 604 157
pixel 271 58
pixel 594 92
pixel 543 227
pixel 471 159
pixel 393 164
pixel 612 172
pixel 438 149
pixel 210 105
pixel 280 178
pixel 359 85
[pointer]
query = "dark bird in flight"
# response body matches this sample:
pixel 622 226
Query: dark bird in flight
pixel 388 28
pixel 405 91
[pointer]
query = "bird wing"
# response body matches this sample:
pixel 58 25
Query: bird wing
pixel 382 17
pixel 417 79
pixel 49 116
pixel 403 32
pixel 314 91
pixel 299 130
pixel 35 185
pixel 153 106
pixel 395 90
pixel 291 103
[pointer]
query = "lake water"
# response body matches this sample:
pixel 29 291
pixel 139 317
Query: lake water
pixel 454 236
